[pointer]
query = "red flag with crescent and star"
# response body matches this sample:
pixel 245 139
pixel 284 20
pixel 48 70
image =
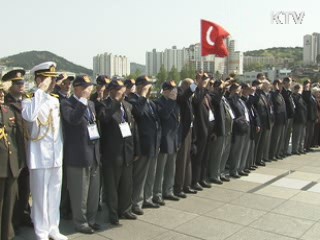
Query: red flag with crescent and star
pixel 212 39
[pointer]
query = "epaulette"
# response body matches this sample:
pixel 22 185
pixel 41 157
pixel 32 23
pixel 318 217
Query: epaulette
pixel 54 95
pixel 29 95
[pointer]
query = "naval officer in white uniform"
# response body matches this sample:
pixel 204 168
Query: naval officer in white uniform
pixel 44 155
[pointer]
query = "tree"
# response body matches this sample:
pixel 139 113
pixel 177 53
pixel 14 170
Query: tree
pixel 174 74
pixel 188 71
pixel 162 76
pixel 134 75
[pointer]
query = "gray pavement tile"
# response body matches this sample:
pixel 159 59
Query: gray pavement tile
pixel 299 209
pixel 313 233
pixel 304 176
pixel 194 204
pixel 307 197
pixel 92 237
pixel 238 185
pixel 208 228
pixel 309 169
pixel 284 165
pixel 284 225
pixel 271 171
pixel 278 192
pixel 170 235
pixel 255 234
pixel 133 230
pixel 236 214
pixel 219 194
pixel 168 217
pixel 259 202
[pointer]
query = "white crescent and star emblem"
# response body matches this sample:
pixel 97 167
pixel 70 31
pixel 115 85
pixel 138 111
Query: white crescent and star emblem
pixel 208 38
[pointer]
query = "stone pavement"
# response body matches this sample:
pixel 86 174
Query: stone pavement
pixel 278 202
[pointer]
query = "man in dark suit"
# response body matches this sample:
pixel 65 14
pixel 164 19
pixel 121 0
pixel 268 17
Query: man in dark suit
pixel 63 90
pixel 117 147
pixel 13 99
pixel 240 134
pixel 280 115
pixel 169 114
pixel 299 121
pixel 183 161
pixel 311 114
pixel 130 88
pixel 144 168
pixel 290 108
pixel 10 168
pixel 203 120
pixel 81 155
pixel 261 104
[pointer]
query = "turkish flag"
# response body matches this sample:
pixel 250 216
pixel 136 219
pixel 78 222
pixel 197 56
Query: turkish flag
pixel 212 39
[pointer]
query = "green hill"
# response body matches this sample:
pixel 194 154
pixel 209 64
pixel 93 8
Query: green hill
pixel 29 59
pixel 279 52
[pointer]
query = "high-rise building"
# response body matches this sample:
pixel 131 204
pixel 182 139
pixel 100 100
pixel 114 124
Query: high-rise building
pixel 311 48
pixel 178 58
pixel 111 65
pixel 234 63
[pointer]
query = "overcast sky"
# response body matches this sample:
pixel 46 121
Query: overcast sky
pixel 80 29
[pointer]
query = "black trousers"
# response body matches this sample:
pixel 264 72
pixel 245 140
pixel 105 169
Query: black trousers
pixel 118 188
pixel 65 205
pixel 309 135
pixel 261 142
pixel 183 165
pixel 199 160
pixel 21 207
pixel 8 194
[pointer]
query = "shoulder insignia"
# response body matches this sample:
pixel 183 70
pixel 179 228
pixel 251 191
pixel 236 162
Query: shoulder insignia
pixel 54 95
pixel 29 95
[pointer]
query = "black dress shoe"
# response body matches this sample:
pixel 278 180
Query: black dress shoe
pixel 180 194
pixel 129 216
pixel 171 197
pixel 205 184
pixel 235 175
pixel 85 230
pixel 158 200
pixel 295 153
pixel 242 173
pixel 189 190
pixel 137 211
pixel 252 168
pixel 95 226
pixel 216 181
pixel 261 164
pixel 150 205
pixel 247 171
pixel 115 222
pixel 225 178
pixel 196 187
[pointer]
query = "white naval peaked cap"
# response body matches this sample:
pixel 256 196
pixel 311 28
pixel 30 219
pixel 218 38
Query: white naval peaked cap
pixel 46 69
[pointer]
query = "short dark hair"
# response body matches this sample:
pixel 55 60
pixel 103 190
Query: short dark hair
pixel 306 82
pixel 286 79
pixel 259 75
pixel 275 82
pixel 234 86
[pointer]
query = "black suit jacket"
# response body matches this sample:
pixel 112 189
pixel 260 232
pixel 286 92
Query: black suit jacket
pixel 279 108
pixel 169 113
pixel 114 148
pixel 290 106
pixel 219 113
pixel 253 115
pixel 79 150
pixel 148 123
pixel 261 104
pixel 311 106
pixel 186 112
pixel 301 111
pixel 240 125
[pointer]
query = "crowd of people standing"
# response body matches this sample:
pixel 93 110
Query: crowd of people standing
pixel 72 147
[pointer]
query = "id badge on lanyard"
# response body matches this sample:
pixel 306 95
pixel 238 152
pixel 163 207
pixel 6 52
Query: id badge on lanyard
pixel 93 131
pixel 125 129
